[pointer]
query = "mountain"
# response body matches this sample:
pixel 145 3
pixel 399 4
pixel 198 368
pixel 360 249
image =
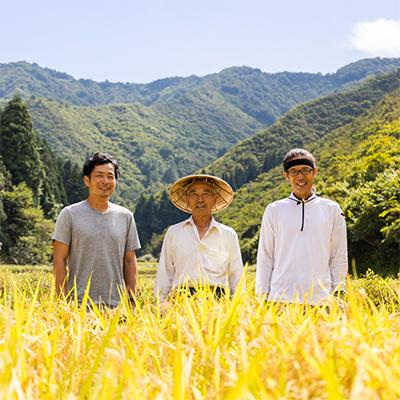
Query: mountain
pixel 169 127
pixel 301 125
pixel 265 96
pixel 239 122
pixel 355 136
pixel 358 167
pixel 152 146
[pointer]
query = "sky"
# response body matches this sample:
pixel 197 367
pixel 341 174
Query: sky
pixel 141 41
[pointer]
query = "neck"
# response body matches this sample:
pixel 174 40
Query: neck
pixel 303 197
pixel 98 203
pixel 202 224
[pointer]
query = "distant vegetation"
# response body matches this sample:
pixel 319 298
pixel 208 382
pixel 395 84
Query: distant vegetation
pixel 169 127
pixel 359 169
pixel 33 186
pixel 355 136
pixel 236 124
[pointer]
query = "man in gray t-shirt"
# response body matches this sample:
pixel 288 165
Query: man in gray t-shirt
pixel 97 240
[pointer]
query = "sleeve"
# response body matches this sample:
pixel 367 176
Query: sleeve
pixel 265 254
pixel 338 262
pixel 235 263
pixel 165 270
pixel 132 240
pixel 63 228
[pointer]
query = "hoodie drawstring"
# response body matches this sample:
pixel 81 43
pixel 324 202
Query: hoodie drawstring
pixel 302 202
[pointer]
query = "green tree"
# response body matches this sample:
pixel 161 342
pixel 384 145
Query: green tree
pixel 27 232
pixel 19 146
pixel 53 194
pixel 5 183
pixel 71 176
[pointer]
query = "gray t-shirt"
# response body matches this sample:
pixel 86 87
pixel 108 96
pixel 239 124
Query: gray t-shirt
pixel 97 244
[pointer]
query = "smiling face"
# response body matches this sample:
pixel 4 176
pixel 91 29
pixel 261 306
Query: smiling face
pixel 302 183
pixel 101 182
pixel 201 199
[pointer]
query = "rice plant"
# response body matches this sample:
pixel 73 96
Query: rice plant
pixel 198 347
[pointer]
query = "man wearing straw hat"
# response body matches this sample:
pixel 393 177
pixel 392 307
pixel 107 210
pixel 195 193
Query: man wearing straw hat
pixel 199 250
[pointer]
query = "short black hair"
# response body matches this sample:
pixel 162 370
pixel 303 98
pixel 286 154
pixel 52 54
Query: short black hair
pixel 99 159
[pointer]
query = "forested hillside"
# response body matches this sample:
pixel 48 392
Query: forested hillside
pixel 175 126
pixel 169 127
pixel 302 125
pixel 355 136
pixel 151 146
pixel 263 95
pixel 359 168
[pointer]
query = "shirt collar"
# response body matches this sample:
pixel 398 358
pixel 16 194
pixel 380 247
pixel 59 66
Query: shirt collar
pixel 213 224
pixel 294 198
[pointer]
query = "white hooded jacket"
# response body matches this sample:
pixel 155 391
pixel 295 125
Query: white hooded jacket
pixel 302 251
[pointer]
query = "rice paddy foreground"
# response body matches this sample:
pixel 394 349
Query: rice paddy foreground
pixel 198 348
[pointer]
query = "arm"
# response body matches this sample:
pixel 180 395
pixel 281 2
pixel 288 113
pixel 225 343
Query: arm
pixel 60 256
pixel 338 263
pixel 165 270
pixel 130 272
pixel 265 255
pixel 235 264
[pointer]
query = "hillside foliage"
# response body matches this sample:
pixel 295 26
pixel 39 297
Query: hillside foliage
pixel 359 169
pixel 170 127
pixel 31 188
pixel 358 153
pixel 176 126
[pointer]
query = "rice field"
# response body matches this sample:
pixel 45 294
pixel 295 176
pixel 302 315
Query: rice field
pixel 197 348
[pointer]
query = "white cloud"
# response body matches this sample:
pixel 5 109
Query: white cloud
pixel 377 38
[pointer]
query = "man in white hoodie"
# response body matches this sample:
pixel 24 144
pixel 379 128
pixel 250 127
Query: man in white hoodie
pixel 302 251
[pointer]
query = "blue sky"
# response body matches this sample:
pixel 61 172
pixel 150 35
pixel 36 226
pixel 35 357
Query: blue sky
pixel 140 41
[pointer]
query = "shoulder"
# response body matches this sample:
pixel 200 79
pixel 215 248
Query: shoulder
pixel 330 207
pixel 324 202
pixel 76 207
pixel 178 226
pixel 72 209
pixel 277 205
pixel 226 230
pixel 280 203
pixel 115 208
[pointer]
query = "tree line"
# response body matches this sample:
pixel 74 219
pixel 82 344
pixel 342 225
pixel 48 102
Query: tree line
pixel 34 185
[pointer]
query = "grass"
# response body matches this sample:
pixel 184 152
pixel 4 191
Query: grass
pixel 198 347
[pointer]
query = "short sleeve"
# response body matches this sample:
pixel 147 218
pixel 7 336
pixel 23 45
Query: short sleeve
pixel 62 230
pixel 132 240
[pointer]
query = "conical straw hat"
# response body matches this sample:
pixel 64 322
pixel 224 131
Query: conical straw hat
pixel 178 192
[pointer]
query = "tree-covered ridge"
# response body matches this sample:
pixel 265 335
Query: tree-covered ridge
pixel 172 126
pixel 303 124
pixel 359 169
pixel 264 96
pixel 330 116
pixel 153 145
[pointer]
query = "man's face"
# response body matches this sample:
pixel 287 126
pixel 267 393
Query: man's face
pixel 302 183
pixel 101 181
pixel 201 199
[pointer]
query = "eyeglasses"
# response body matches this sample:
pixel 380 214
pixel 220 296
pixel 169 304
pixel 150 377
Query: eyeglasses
pixel 303 171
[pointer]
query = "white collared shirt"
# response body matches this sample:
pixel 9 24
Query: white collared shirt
pixel 185 258
pixel 302 252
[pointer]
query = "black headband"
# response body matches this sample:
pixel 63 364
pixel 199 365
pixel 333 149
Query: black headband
pixel 298 161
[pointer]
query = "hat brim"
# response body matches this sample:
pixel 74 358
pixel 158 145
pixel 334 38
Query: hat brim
pixel 178 191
